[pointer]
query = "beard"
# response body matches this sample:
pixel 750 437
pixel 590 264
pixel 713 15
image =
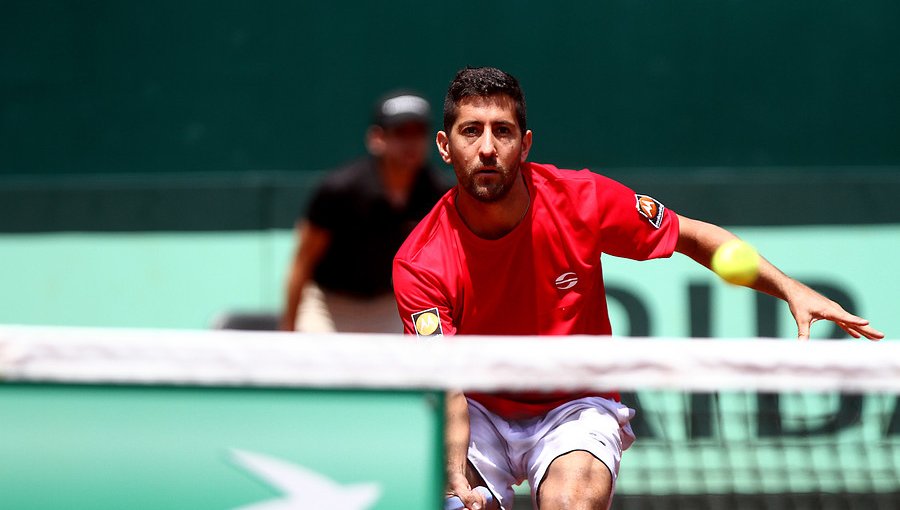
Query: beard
pixel 488 181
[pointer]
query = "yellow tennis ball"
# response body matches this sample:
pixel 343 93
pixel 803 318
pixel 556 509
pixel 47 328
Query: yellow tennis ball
pixel 736 262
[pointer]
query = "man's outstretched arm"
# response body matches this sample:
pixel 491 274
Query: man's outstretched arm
pixel 699 240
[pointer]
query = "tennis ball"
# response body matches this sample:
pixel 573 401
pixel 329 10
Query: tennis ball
pixel 736 262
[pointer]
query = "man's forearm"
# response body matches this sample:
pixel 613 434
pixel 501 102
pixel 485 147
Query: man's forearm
pixel 699 240
pixel 774 282
pixel 295 285
pixel 456 434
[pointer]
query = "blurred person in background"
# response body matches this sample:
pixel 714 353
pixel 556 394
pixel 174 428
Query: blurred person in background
pixel 340 276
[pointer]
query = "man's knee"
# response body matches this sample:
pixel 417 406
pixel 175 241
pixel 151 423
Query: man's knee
pixel 576 480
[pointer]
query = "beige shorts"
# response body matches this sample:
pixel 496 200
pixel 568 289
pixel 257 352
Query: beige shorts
pixel 331 312
pixel 507 452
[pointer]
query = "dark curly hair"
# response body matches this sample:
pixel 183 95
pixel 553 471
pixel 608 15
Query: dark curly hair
pixel 482 82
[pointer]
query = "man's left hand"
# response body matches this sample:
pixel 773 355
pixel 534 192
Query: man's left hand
pixel 808 306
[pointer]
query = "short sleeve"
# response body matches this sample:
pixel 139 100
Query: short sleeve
pixel 634 225
pixel 324 208
pixel 423 305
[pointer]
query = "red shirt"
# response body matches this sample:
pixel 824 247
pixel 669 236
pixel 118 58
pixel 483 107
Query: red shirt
pixel 542 278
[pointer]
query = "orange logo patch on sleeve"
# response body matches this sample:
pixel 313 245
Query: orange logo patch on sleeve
pixel 651 209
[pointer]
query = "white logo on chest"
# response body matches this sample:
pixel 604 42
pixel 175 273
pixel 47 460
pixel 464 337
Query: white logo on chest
pixel 566 281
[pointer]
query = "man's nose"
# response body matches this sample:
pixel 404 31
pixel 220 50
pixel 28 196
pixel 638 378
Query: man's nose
pixel 488 148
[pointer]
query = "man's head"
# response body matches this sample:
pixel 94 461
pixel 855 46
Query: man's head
pixel 483 82
pixel 401 122
pixel 485 136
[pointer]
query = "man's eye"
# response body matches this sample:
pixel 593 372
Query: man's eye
pixel 470 131
pixel 504 130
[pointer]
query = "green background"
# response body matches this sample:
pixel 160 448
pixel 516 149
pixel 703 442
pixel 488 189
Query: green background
pixel 220 115
pixel 172 86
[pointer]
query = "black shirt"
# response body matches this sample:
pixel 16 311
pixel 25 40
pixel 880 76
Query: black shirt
pixel 366 229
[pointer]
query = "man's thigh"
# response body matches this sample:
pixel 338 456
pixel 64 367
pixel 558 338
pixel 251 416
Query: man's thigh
pixel 576 481
pixel 579 455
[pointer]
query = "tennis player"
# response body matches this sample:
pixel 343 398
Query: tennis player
pixel 515 249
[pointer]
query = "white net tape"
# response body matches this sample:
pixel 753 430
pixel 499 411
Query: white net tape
pixel 82 355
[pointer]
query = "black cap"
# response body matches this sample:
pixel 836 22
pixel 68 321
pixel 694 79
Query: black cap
pixel 400 107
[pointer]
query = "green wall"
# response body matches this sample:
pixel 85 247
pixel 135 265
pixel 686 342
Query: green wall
pixel 105 86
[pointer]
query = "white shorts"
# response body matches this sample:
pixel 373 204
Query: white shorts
pixel 507 452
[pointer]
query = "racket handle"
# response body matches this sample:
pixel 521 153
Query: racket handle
pixel 454 503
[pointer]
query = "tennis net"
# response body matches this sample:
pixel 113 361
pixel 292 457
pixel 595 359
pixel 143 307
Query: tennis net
pixel 721 424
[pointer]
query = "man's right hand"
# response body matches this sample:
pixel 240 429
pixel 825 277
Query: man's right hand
pixel 458 485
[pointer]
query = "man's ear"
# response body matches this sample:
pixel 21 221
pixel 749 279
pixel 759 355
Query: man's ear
pixel 443 146
pixel 526 145
pixel 375 142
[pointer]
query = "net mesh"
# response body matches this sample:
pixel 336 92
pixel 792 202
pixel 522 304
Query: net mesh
pixel 727 424
pixel 763 450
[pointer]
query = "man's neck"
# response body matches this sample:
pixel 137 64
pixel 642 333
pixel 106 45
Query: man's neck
pixel 493 220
